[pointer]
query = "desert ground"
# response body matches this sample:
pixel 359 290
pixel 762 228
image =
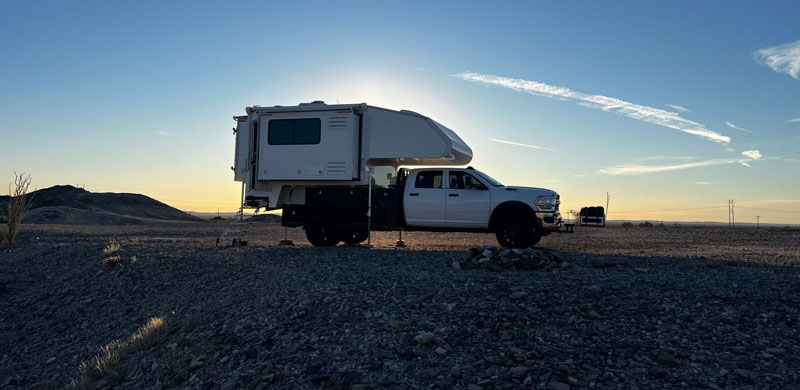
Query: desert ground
pixel 624 307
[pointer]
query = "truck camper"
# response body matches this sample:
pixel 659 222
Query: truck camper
pixel 335 169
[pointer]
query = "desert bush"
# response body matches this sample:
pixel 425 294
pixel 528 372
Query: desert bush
pixel 627 224
pixel 148 334
pixel 111 248
pixel 107 362
pixel 646 224
pixel 112 260
pixel 19 204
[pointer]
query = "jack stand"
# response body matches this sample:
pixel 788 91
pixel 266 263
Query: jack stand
pixel 286 241
pixel 400 243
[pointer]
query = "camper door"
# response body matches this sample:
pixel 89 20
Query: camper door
pixel 309 146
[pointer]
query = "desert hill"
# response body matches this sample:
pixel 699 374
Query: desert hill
pixel 70 205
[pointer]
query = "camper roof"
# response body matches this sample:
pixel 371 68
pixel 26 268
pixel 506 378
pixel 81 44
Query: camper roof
pixel 394 137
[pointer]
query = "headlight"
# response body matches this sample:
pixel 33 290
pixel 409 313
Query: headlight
pixel 545 203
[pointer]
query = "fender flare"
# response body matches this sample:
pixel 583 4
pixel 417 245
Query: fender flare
pixel 513 207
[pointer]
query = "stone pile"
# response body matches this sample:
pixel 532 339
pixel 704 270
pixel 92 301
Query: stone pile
pixel 494 258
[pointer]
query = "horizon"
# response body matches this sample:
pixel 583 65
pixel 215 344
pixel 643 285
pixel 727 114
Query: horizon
pixel 671 108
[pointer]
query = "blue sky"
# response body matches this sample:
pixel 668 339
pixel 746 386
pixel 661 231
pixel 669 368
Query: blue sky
pixel 139 97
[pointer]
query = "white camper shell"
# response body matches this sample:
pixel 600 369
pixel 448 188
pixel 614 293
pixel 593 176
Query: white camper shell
pixel 282 149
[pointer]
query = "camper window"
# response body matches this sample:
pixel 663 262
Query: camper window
pixel 429 179
pixel 294 131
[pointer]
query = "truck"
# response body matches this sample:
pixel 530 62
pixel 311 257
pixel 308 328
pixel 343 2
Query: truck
pixel 592 216
pixel 340 171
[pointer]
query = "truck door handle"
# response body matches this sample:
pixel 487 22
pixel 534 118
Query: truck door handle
pixel 452 195
pixel 413 194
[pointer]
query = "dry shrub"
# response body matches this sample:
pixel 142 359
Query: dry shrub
pixel 109 251
pixel 107 362
pixel 148 334
pixel 112 260
pixel 18 205
pixel 111 248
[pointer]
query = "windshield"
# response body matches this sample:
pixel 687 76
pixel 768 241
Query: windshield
pixel 488 178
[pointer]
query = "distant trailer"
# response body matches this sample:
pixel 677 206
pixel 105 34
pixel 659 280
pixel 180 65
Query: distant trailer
pixel 592 216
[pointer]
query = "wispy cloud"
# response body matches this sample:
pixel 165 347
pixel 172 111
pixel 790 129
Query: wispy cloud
pixel 732 126
pixel 637 169
pixel 703 183
pixel 667 158
pixel 520 144
pixel 161 133
pixel 782 59
pixel 652 115
pixel 793 120
pixel 641 169
pixel 679 108
pixel 752 154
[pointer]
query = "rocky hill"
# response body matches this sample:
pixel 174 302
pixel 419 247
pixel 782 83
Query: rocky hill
pixel 70 205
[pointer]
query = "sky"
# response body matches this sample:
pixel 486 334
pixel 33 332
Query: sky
pixel 671 107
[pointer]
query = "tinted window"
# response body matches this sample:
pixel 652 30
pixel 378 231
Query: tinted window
pixel 465 181
pixel 429 179
pixel 294 131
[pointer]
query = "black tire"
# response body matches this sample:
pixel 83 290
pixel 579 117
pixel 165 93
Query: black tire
pixel 322 230
pixel 515 231
pixel 354 236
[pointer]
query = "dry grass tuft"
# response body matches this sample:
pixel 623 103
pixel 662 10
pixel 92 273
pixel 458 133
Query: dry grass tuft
pixel 148 334
pixel 112 260
pixel 107 362
pixel 111 248
pixel 18 205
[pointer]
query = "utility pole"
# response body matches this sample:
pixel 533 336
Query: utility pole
pixel 733 213
pixel 729 213
pixel 758 221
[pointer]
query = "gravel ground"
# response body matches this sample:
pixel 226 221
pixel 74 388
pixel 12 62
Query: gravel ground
pixel 636 308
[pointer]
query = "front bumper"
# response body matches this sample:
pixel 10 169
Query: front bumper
pixel 551 220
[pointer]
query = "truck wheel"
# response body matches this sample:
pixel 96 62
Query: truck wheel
pixel 322 230
pixel 517 232
pixel 354 236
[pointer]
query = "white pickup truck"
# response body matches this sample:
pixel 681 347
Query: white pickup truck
pixel 464 198
pixel 335 169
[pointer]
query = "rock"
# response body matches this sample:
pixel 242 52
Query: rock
pixel 746 374
pixel 52 359
pixel 518 372
pixel 487 253
pixel 666 358
pixel 440 351
pixel 484 260
pixel 456 265
pixel 607 263
pixel 555 385
pixel 424 337
pixel 518 295
pixel 775 351
pixel 102 383
pixel 474 387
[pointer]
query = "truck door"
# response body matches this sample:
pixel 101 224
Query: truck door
pixel 424 200
pixel 468 201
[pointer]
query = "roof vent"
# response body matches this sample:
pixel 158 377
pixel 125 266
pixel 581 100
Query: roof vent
pixel 314 103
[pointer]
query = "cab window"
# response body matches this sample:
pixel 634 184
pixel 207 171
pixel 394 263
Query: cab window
pixel 464 181
pixel 429 179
